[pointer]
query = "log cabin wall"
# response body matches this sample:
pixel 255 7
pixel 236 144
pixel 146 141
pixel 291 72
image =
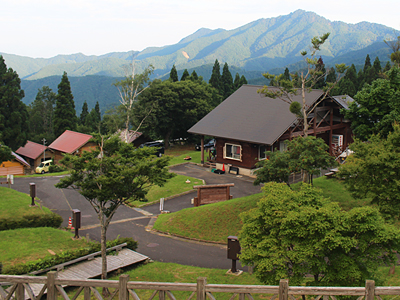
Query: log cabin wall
pixel 249 153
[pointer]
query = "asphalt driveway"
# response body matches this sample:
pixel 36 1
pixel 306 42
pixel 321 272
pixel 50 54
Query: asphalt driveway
pixel 129 222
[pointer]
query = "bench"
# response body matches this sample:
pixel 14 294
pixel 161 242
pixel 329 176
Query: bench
pixel 212 193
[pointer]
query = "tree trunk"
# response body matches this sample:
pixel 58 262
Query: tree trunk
pixel 166 139
pixel 103 243
pixel 127 126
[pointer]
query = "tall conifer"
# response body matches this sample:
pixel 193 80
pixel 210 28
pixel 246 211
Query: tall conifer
pixel 13 112
pixel 215 79
pixel 173 74
pixel 226 81
pixel 64 113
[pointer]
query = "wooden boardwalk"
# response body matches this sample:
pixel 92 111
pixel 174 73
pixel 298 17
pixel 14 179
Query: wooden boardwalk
pixel 92 268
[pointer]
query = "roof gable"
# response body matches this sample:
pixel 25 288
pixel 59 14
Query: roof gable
pixel 249 116
pixel 20 159
pixel 70 141
pixel 31 150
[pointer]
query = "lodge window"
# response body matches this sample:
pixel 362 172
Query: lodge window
pixel 261 152
pixel 282 146
pixel 232 151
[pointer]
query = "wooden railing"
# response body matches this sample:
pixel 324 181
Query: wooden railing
pixel 123 289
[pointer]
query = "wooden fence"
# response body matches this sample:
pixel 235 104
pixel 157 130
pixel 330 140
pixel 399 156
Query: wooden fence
pixel 123 289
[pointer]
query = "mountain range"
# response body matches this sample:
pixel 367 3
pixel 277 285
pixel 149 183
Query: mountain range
pixel 264 45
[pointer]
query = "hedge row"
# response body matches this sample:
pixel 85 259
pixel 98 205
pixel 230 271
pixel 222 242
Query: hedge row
pixel 45 220
pixel 65 256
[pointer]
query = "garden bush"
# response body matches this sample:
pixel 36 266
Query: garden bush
pixel 28 221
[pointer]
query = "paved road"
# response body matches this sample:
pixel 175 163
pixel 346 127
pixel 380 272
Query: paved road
pixel 129 222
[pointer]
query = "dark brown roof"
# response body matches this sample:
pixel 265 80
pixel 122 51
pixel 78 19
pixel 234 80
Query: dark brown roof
pixel 249 116
pixel 70 141
pixel 31 150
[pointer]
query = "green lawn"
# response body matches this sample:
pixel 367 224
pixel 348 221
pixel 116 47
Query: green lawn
pixel 212 222
pixel 209 224
pixel 174 186
pixel 26 244
pixel 13 203
pixel 335 190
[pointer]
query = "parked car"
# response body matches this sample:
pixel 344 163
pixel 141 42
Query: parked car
pixel 209 144
pixel 158 144
pixel 43 167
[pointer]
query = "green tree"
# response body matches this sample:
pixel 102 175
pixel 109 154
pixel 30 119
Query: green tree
pixel 64 114
pixel 41 116
pixel 5 153
pixel 176 106
pixel 215 79
pixel 348 84
pixel 286 75
pixel 236 81
pixel 185 75
pixel 294 234
pixel 109 180
pixel 367 63
pixel 130 88
pixel 13 112
pixel 93 120
pixel 373 171
pixel 286 88
pixel 84 113
pixel 194 76
pixel 320 69
pixel 113 119
pixel 376 106
pixel 308 154
pixel 395 47
pixel 173 74
pixel 226 81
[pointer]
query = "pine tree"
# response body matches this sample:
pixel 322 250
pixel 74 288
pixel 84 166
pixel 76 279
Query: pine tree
pixel 243 80
pixel 215 79
pixel 286 75
pixel 185 75
pixel 13 112
pixel 173 75
pixel 64 113
pixel 84 113
pixel 236 82
pixel 387 67
pixel 331 76
pixel 367 63
pixel 321 71
pixel 41 116
pixel 194 76
pixel 226 81
pixel 377 66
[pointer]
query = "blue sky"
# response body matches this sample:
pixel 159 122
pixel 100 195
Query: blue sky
pixel 45 28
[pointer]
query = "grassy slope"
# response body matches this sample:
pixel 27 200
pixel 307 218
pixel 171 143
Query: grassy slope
pixel 34 243
pixel 209 224
pixel 13 203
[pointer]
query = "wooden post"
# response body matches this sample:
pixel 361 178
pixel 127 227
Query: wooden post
pixel 330 131
pixel 123 287
pixel 369 290
pixel 87 238
pixel 202 149
pixel 51 285
pixel 201 288
pixel 20 292
pixel 161 295
pixel 242 296
pixel 86 293
pixel 283 289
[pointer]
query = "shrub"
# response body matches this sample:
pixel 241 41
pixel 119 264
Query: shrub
pixel 56 169
pixel 46 220
pixel 65 256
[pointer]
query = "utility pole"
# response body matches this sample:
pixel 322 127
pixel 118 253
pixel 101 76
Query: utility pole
pixel 44 151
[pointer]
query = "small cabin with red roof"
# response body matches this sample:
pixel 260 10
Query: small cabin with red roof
pixel 71 142
pixel 34 153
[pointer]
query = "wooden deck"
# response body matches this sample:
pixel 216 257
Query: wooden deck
pixel 92 268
